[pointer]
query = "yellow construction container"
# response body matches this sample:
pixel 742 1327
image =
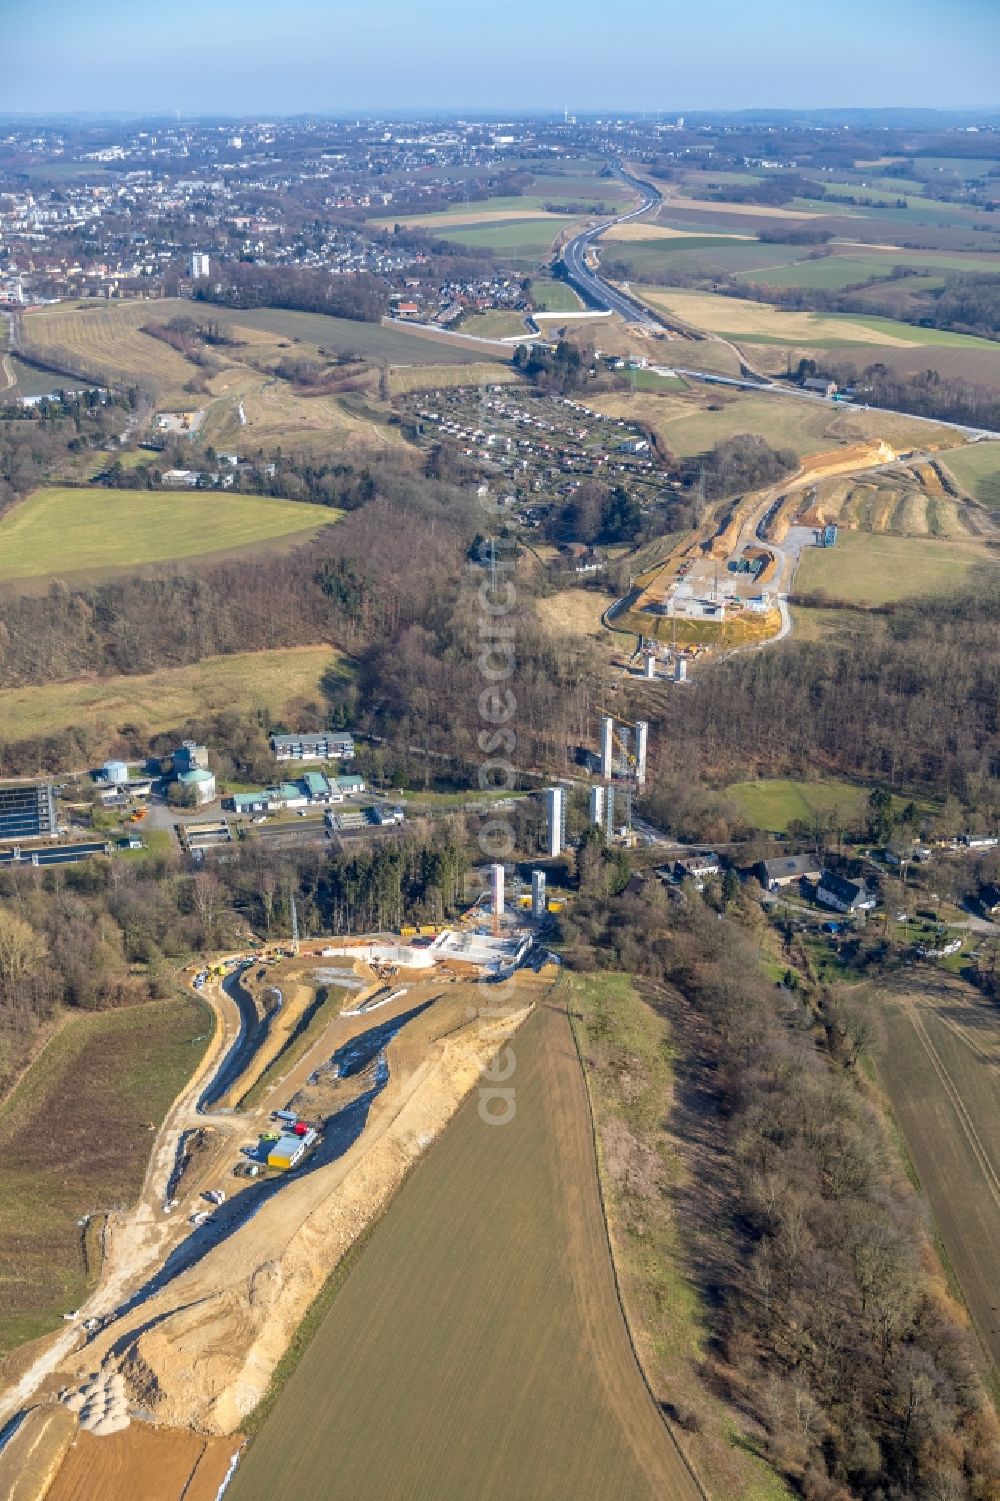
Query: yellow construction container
pixel 408 932
pixel 286 1152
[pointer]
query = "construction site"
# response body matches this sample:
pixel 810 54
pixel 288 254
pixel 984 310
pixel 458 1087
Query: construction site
pixel 333 1067
pixel 621 764
pixel 726 584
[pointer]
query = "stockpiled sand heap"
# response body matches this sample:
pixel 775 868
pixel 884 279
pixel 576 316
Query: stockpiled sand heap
pixel 101 1403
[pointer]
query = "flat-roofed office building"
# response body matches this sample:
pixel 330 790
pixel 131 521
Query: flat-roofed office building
pixel 27 810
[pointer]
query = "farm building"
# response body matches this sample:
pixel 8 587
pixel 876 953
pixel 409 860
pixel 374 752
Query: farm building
pixel 773 874
pixel 843 895
pixel 329 745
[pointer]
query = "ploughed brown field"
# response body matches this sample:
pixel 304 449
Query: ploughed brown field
pixel 938 1067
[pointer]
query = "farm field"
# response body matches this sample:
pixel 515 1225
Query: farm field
pixel 677 205
pixel 979 365
pixel 977 470
pixel 918 211
pixel 475 213
pixel 967 167
pixel 649 231
pixel 393 345
pixel 451 1272
pixel 512 239
pixel 406 378
pixel 107 343
pixel 688 426
pixel 554 296
pixel 155 702
pixel 772 804
pixel 652 260
pixel 937 1065
pixel 877 569
pixel 63 531
pixel 829 273
pixel 495 324
pixel 759 322
pixel 32 381
pixel 75 1134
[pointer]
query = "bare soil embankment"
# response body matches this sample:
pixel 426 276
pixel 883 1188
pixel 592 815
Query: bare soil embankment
pixel 200 1352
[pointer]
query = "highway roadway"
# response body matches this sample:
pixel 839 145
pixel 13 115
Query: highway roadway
pixel 590 284
pixel 600 293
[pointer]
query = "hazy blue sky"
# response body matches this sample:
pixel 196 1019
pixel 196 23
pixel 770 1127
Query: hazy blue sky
pixel 270 56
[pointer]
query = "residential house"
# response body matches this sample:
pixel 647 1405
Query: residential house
pixel 844 895
pixel 697 867
pixel 773 874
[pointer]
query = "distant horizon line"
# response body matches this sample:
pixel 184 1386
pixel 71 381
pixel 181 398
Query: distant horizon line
pixel 479 112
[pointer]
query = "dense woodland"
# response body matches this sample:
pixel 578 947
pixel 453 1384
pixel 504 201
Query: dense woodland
pixel 738 464
pixel 911 699
pixel 924 394
pixel 243 285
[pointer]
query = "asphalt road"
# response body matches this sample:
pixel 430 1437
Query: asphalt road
pixel 590 284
